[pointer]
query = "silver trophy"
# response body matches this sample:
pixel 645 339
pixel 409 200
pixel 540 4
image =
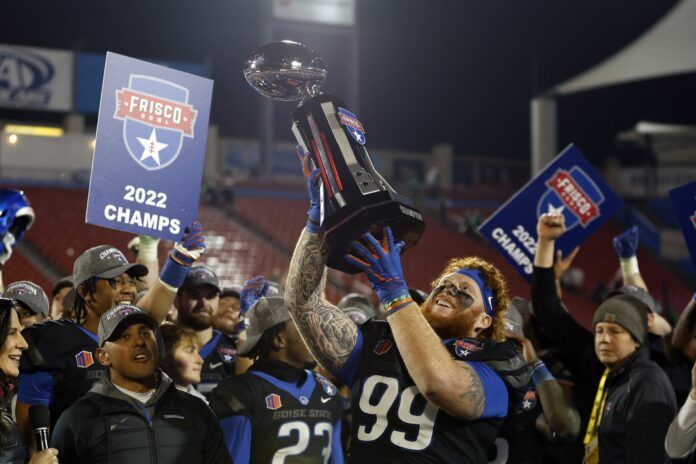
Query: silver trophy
pixel 355 197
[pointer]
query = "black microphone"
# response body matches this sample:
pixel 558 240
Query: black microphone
pixel 40 421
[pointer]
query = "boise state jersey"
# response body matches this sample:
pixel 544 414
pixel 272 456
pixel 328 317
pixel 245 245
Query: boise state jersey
pixel 394 423
pixel 219 356
pixel 59 366
pixel 518 440
pixel 295 420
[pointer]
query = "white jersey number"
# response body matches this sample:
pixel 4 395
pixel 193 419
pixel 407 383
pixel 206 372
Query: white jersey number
pixel 303 437
pixel 424 420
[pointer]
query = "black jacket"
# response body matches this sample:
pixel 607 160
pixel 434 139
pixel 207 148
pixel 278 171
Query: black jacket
pixel 639 407
pixel 107 426
pixel 12 449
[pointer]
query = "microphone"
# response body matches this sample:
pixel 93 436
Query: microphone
pixel 40 421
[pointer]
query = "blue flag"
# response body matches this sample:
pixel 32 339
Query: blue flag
pixel 150 148
pixel 568 185
pixel 684 200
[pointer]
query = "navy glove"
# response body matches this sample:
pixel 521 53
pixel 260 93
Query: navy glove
pixel 626 243
pixel 382 266
pixel 253 290
pixel 313 179
pixel 183 255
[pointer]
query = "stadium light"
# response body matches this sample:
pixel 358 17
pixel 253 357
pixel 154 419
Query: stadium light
pixel 13 139
pixel 37 131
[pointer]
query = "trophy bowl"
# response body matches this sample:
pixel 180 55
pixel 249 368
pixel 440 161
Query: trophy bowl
pixel 355 198
pixel 285 71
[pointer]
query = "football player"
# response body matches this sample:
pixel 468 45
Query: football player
pixel 196 304
pixel 279 410
pixel 431 383
pixel 59 366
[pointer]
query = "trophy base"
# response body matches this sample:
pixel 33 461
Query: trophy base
pixel 384 209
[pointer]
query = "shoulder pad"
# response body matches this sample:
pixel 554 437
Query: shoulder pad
pixel 231 397
pixel 503 357
pixel 43 339
pixel 328 386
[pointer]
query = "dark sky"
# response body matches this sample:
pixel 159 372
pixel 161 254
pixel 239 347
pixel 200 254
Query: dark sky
pixel 458 71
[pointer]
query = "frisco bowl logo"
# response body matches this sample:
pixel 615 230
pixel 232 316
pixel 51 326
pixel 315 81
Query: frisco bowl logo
pixel 156 118
pixel 574 194
pixel 464 348
pixel 22 79
pixel 353 126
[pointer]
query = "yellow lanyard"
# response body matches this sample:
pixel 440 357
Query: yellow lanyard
pixel 597 409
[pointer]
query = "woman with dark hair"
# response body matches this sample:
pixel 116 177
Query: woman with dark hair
pixel 12 448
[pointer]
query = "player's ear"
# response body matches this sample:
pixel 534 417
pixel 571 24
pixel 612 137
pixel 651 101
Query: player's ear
pixel 84 293
pixel 279 341
pixel 485 320
pixel 103 357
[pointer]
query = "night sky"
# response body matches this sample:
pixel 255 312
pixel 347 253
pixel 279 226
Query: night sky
pixel 435 71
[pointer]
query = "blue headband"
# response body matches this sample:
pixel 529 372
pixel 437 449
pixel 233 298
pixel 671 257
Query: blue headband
pixel 486 293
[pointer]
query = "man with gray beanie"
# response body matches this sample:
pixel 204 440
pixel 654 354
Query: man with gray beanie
pixel 635 402
pixel 279 410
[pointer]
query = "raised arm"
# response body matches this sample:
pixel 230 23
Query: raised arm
pixel 626 246
pixel 159 297
pixel 683 337
pixel 329 334
pixel 457 387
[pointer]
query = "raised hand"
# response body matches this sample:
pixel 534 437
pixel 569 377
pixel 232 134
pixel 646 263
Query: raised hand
pixel 313 179
pixel 626 243
pixel 381 263
pixel 550 226
pixel 253 289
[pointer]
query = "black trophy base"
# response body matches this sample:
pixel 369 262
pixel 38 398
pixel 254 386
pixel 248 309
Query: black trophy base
pixel 384 209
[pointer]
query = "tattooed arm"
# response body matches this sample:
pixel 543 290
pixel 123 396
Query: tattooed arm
pixel 329 334
pixel 454 386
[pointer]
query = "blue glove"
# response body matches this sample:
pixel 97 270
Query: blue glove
pixel 183 255
pixel 382 266
pixel 314 215
pixel 626 243
pixel 253 290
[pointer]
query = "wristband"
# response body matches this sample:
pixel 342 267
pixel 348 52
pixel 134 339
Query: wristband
pixel 313 226
pixel 541 373
pixel 629 266
pixel 392 306
pixel 173 273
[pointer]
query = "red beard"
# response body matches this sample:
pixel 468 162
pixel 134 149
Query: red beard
pixel 457 325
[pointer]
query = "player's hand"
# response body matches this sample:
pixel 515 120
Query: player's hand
pixel 191 247
pixel 626 243
pixel 563 264
pixel 528 351
pixel 253 290
pixel 313 178
pixel 381 263
pixel 47 456
pixel 550 226
pixel 8 241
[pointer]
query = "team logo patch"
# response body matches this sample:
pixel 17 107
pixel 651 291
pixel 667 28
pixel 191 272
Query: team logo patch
pixel 464 348
pixel 529 400
pixel 382 347
pixel 273 402
pixel 156 117
pixel 326 384
pixel 84 359
pixel 227 353
pixel 352 125
pixel 304 400
pixel 574 194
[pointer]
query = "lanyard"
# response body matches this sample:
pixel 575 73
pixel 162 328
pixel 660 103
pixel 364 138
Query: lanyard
pixel 597 409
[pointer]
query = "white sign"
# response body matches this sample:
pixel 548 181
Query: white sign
pixel 340 12
pixel 36 78
pixel 639 182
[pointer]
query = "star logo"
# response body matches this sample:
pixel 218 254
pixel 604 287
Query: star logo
pixel 357 136
pixel 151 147
pixel 526 404
pixel 555 211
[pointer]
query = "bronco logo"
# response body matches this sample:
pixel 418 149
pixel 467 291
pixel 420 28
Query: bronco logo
pixel 574 194
pixel 156 118
pixel 23 76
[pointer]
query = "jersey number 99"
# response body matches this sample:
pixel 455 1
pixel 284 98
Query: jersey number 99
pixel 424 420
